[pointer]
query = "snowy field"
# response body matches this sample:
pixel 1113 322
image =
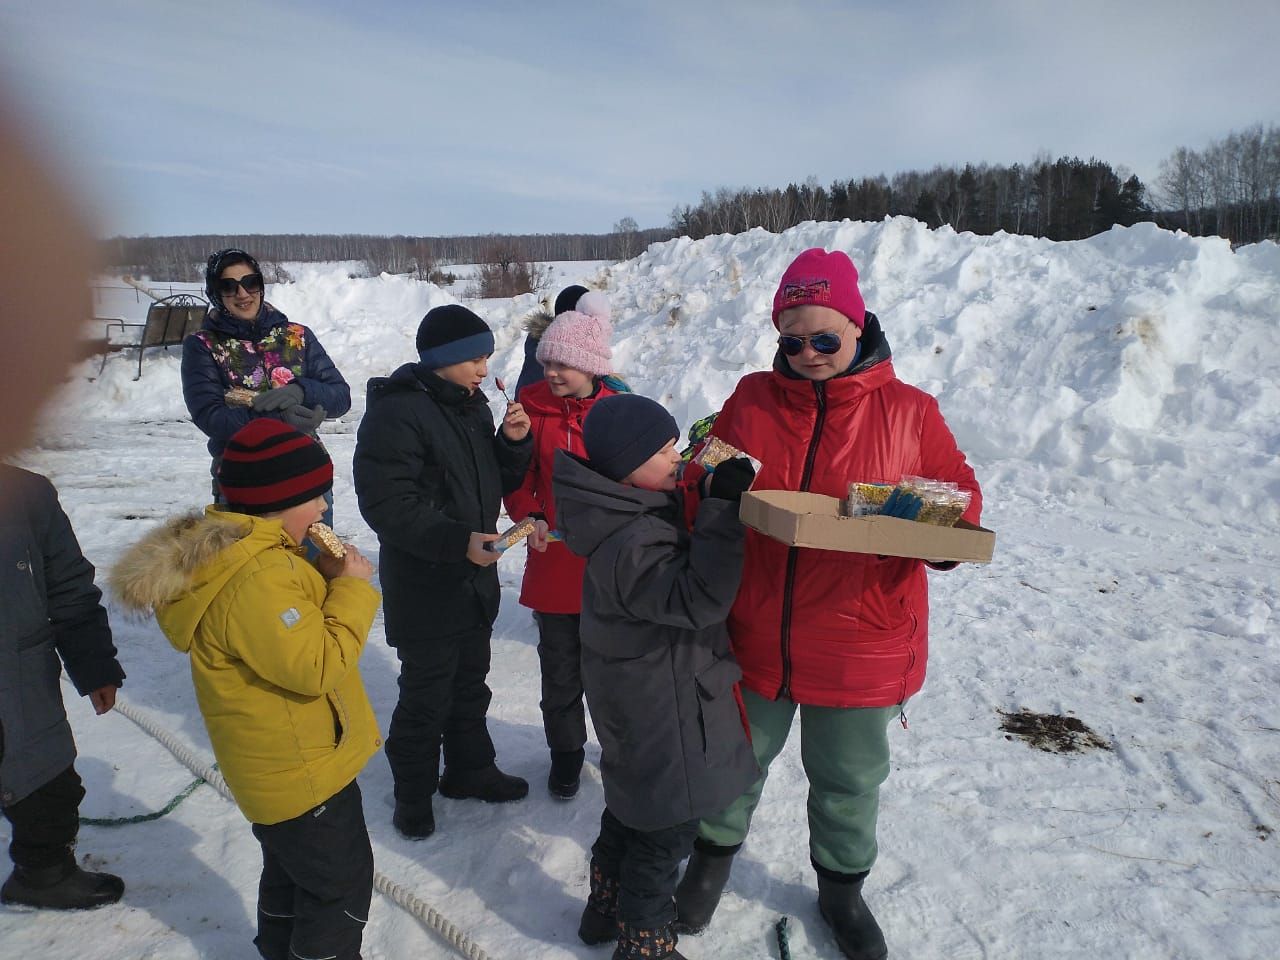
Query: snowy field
pixel 1119 398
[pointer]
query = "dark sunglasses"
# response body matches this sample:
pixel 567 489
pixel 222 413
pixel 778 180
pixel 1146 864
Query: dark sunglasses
pixel 824 343
pixel 251 283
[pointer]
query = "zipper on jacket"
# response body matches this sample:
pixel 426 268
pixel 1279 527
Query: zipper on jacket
pixel 793 553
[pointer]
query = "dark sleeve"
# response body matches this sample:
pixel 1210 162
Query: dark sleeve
pixel 689 588
pixel 513 459
pixel 204 391
pixel 81 632
pixel 322 384
pixel 531 372
pixel 392 457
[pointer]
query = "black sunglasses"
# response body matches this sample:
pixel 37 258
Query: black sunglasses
pixel 824 343
pixel 250 282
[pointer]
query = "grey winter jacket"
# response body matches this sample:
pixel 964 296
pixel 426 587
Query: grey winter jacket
pixel 49 606
pixel 656 665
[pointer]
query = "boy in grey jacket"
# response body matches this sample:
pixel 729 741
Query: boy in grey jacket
pixel 50 611
pixel 659 678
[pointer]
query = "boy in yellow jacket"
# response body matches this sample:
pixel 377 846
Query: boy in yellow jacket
pixel 274 643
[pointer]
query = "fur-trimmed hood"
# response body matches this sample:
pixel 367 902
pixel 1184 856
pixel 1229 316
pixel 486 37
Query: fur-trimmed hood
pixel 177 569
pixel 536 323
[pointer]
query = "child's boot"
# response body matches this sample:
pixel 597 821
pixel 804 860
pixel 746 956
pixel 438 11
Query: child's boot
pixel 647 943
pixel 414 820
pixel 488 784
pixel 600 918
pixel 63 886
pixel 703 883
pixel 566 773
pixel 840 901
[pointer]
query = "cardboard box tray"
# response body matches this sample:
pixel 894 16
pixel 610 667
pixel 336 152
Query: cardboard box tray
pixel 813 520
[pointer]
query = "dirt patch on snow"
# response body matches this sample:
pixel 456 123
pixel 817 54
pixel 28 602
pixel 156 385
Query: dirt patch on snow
pixel 1050 732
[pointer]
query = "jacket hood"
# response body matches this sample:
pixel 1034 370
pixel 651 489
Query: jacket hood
pixel 591 507
pixel 411 377
pixel 177 569
pixel 536 323
pixel 219 321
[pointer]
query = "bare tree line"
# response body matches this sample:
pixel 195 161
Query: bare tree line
pixel 1064 199
pixel 182 258
pixel 1229 189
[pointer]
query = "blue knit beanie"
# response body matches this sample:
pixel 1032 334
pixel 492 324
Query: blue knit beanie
pixel 621 432
pixel 452 334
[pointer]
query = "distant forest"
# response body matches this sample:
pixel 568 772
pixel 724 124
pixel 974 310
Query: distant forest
pixel 1230 189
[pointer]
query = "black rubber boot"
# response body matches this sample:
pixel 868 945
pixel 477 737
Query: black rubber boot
pixel 647 943
pixel 416 821
pixel 61 887
pixel 703 882
pixel 600 917
pixel 840 902
pixel 488 784
pixel 566 773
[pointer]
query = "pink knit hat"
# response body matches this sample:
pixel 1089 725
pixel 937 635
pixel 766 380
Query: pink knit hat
pixel 822 279
pixel 578 340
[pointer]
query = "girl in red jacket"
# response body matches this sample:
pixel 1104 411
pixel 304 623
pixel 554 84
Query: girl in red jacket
pixel 577 364
pixel 842 637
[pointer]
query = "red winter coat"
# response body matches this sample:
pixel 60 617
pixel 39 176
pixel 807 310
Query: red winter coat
pixel 819 626
pixel 552 580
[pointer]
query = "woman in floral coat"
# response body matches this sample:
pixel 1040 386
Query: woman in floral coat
pixel 249 361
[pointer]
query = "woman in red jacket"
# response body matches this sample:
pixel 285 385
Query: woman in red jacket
pixel 841 636
pixel 577 363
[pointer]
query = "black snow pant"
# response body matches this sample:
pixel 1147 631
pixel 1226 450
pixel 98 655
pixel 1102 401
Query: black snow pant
pixel 443 698
pixel 564 717
pixel 646 864
pixel 317 881
pixel 45 822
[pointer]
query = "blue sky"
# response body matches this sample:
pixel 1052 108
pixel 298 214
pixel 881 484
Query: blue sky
pixel 433 118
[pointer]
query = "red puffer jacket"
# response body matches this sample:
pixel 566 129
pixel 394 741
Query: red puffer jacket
pixel 819 626
pixel 552 580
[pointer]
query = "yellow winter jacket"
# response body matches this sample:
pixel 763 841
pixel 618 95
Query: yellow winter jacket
pixel 274 651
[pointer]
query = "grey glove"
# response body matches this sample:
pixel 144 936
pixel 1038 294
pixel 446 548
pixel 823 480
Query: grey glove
pixel 304 419
pixel 278 398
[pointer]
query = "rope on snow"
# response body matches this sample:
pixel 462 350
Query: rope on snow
pixel 395 892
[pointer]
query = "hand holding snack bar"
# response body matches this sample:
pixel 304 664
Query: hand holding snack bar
pixel 478 551
pixel 352 564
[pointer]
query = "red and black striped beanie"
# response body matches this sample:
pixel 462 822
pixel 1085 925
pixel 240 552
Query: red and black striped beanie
pixel 269 466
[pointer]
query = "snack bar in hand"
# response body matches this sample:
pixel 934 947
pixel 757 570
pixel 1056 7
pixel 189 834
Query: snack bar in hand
pixel 512 535
pixel 716 452
pixel 324 538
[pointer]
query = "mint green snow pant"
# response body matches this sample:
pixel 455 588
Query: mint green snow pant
pixel 845 751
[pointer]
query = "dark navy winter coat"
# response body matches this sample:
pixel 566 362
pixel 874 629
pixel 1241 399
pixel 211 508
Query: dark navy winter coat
pixel 656 665
pixel 49 608
pixel 216 359
pixel 430 470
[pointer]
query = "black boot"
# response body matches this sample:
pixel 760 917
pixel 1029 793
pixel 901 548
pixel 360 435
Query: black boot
pixel 703 882
pixel 647 943
pixel 600 917
pixel 63 886
pixel 488 784
pixel 566 773
pixel 840 901
pixel 416 821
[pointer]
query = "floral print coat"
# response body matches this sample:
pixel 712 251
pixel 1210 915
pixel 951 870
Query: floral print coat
pixel 260 355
